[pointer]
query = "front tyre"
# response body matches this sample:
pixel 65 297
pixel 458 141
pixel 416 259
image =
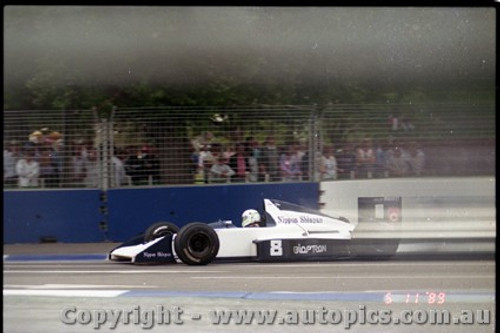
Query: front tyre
pixel 196 244
pixel 160 229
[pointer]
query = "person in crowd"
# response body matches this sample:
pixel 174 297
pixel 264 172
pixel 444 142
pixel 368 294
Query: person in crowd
pixel 196 167
pixel 119 174
pixel 365 159
pixel 220 172
pixel 290 164
pixel 144 169
pixel 132 164
pixel 329 168
pixel 57 161
pixel 253 151
pixel 301 150
pixel 239 163
pixel 250 218
pixel 208 157
pixel 36 137
pixel 92 173
pixel 78 162
pixel 416 160
pixel 10 157
pixel 47 171
pixel 205 161
pixel 28 168
pixel 142 166
pixel 305 165
pixel 269 163
pixel 228 150
pixel 217 150
pixel 397 164
pixel 147 169
pixel 346 162
pixel 202 140
pixel 51 163
pixel 150 165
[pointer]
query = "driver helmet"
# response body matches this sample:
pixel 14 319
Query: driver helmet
pixel 250 216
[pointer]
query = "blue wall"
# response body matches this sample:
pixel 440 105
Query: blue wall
pixel 67 215
pixel 74 216
pixel 133 210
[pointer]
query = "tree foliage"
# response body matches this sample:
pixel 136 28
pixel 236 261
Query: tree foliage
pixel 45 91
pixel 156 59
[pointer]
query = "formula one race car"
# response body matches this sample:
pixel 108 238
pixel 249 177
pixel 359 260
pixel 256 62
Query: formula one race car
pixel 287 232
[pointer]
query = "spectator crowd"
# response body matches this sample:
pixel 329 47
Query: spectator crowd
pixel 40 163
pixel 250 161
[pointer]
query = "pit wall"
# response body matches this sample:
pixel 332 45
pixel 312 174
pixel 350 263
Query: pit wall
pixel 426 207
pixel 80 216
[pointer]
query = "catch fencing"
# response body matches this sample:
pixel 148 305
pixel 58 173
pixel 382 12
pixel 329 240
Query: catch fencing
pixel 152 146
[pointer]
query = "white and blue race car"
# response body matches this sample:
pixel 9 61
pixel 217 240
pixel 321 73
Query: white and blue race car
pixel 287 232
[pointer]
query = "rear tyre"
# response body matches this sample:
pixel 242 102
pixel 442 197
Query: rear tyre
pixel 160 229
pixel 196 244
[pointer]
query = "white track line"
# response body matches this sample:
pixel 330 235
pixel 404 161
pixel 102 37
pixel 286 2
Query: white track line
pixel 8 271
pixel 65 293
pixel 385 277
pixel 74 286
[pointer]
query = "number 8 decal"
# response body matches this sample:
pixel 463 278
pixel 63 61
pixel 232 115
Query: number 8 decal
pixel 276 249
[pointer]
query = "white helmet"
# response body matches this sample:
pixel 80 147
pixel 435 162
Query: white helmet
pixel 249 216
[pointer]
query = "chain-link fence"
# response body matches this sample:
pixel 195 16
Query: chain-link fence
pixel 201 145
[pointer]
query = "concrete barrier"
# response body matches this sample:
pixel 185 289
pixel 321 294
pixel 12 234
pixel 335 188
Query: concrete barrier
pixel 415 207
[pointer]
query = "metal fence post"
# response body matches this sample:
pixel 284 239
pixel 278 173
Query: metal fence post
pixel 315 145
pixel 104 145
pixel 105 152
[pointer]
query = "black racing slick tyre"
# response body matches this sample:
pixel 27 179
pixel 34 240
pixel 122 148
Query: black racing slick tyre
pixel 196 244
pixel 160 229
